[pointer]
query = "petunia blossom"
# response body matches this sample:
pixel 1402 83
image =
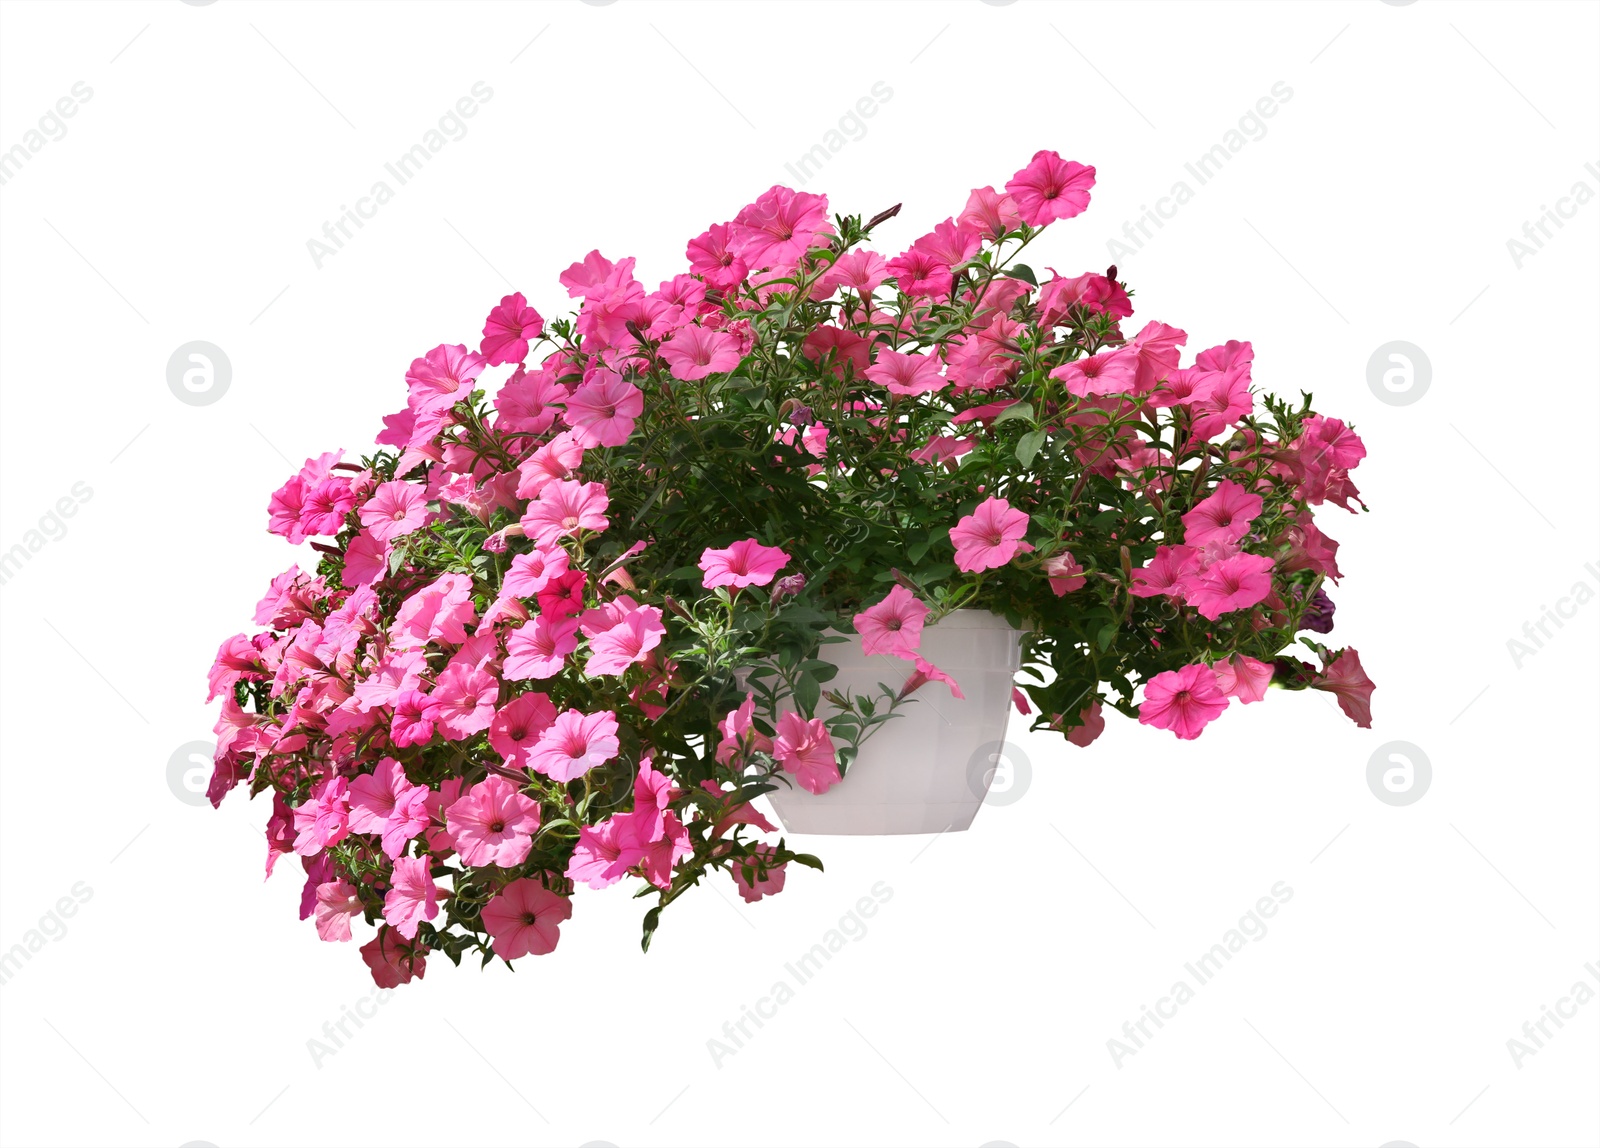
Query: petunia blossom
pixel 1243 677
pixel 493 824
pixel 412 897
pixel 462 701
pixel 696 351
pixel 508 329
pixel 779 227
pixel 1050 188
pixel 755 877
pixel 337 902
pixel 539 649
pixel 516 728
pixel 601 412
pixel 893 625
pixel 906 374
pixel 532 572
pixel 745 563
pixel 1184 701
pixel 1347 681
pixel 990 536
pixel 626 644
pixel 442 377
pixel 1226 513
pixel 805 749
pixel 574 744
pixel 525 918
pixel 1234 583
pixel 395 508
pixel 564 508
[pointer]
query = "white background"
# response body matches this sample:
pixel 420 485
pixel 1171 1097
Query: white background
pixel 977 1007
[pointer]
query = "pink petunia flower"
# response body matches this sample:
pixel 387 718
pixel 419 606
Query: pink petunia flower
pixel 323 820
pixel 740 737
pixel 1234 583
pixel 713 259
pixel 412 898
pixel 439 612
pixel 745 563
pixel 365 560
pixel 805 749
pixel 1344 678
pixel 395 508
pixel 442 377
pixel 462 702
pixel 696 351
pixel 778 228
pixel 1050 188
pixel 556 461
pixel 1243 677
pixel 1064 573
pixel 597 858
pixel 539 649
pixel 373 795
pixel 859 269
pixel 1225 514
pixel 756 879
pixel 574 744
pixel 602 411
pixel 626 644
pixel 336 904
pixel 1169 572
pixel 1108 373
pixel 409 727
pixel 524 918
pixel 507 330
pixel 493 824
pixel 532 572
pixel 324 506
pixel 991 213
pixel 564 508
pixel 906 374
pixel 892 626
pixel 408 819
pixel 1091 724
pixel 516 728
pixel 392 962
pixel 990 536
pixel 1184 701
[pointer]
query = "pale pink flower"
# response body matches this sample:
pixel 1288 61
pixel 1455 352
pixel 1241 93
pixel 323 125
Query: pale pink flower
pixel 392 962
pixel 528 403
pixel 539 649
pixel 740 737
pixel 507 330
pixel 564 508
pixel 516 728
pixel 893 626
pixel 372 796
pixel 439 612
pixel 653 793
pixel 493 824
pixel 696 351
pixel 990 536
pixel 1050 188
pixel 1091 724
pixel 396 672
pixel 990 213
pixel 597 858
pixel 462 702
pixel 1226 514
pixel 556 461
pixel 859 269
pixel 626 644
pixel 1064 573
pixel 755 878
pixel 906 374
pixel 602 411
pixel 1108 373
pixel 395 508
pixel 805 749
pixel 574 744
pixel 336 904
pixel 1169 572
pixel 442 377
pixel 745 563
pixel 412 898
pixel 408 818
pixel 524 918
pixel 365 560
pixel 1243 677
pixel 324 819
pixel 532 572
pixel 926 672
pixel 1184 701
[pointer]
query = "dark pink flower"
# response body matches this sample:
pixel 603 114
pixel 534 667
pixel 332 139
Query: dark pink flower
pixel 507 330
pixel 1050 188
pixel 1184 701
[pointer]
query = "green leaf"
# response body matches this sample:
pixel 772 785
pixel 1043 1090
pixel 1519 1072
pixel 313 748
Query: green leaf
pixel 807 693
pixel 1028 446
pixel 1015 411
pixel 1024 272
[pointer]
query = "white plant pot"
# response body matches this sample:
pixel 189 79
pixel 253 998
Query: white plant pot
pixel 927 769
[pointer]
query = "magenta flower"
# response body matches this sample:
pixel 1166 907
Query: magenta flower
pixel 493 824
pixel 906 374
pixel 556 461
pixel 1225 514
pixel 1108 373
pixel 574 744
pixel 1344 678
pixel 324 506
pixel 602 411
pixel 462 702
pixel 893 626
pixel 507 330
pixel 777 229
pixel 696 351
pixel 442 377
pixel 395 508
pixel 804 749
pixel 408 818
pixel 524 918
pixel 1184 701
pixel 516 728
pixel 564 508
pixel 926 672
pixel 1234 583
pixel 626 644
pixel 1050 188
pixel 745 563
pixel 539 649
pixel 990 536
pixel 412 898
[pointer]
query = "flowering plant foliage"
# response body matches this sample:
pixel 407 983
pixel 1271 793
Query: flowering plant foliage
pixel 574 613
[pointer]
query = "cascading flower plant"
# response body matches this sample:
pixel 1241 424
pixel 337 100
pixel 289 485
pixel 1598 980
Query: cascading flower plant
pixel 565 636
